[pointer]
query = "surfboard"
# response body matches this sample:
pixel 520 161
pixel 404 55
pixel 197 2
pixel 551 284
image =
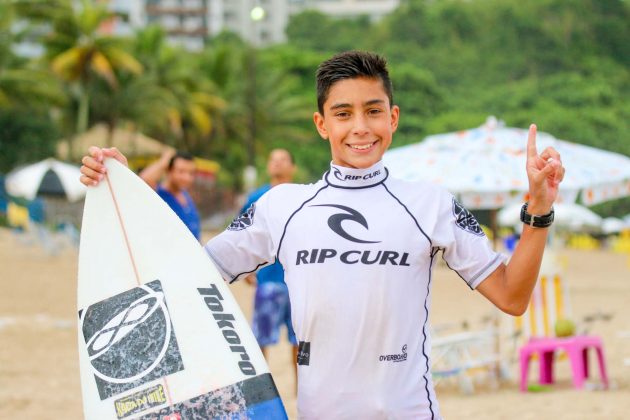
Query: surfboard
pixel 160 335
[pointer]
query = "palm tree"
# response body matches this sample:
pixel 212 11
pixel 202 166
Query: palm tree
pixel 139 101
pixel 79 54
pixel 263 106
pixel 193 107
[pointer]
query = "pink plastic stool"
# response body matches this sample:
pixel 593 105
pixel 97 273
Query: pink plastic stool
pixel 576 347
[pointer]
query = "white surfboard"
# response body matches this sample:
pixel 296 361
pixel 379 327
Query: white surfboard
pixel 160 334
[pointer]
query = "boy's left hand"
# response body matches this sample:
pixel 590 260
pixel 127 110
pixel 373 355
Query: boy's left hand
pixel 544 172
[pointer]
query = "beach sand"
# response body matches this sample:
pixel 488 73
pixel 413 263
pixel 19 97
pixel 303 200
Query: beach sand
pixel 39 362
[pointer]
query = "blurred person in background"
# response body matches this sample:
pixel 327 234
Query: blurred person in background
pixel 271 304
pixel 176 171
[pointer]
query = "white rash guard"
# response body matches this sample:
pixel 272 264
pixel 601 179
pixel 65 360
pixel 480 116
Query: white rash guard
pixel 358 248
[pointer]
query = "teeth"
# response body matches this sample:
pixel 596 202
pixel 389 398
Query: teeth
pixel 364 147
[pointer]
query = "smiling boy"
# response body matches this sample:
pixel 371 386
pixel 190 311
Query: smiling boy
pixel 358 249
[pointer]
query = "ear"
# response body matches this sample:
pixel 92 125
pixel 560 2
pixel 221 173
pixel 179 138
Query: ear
pixel 318 119
pixel 395 115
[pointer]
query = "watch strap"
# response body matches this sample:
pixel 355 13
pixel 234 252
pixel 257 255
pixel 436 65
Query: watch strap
pixel 536 221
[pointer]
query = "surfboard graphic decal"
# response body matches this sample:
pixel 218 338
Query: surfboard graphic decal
pixel 254 398
pixel 130 339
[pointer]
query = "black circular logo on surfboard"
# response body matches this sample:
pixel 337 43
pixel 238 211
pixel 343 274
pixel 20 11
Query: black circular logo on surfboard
pixel 130 339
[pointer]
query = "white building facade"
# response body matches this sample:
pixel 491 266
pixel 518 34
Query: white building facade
pixel 260 22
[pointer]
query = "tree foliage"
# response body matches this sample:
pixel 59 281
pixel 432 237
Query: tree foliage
pixel 564 64
pixel 25 137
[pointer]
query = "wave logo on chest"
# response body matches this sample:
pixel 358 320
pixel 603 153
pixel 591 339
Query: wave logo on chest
pixel 365 256
pixel 334 222
pixel 130 340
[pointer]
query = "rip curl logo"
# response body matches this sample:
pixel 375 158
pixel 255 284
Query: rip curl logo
pixel 245 220
pixel 130 340
pixel 337 174
pixel 465 219
pixel 348 177
pixel 400 357
pixel 334 222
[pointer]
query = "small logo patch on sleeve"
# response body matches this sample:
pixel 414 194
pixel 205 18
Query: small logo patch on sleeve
pixel 304 353
pixel 245 220
pixel 465 219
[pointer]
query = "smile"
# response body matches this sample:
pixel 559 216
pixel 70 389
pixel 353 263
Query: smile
pixel 362 146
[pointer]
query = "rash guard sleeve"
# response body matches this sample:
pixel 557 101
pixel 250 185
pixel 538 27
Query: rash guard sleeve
pixel 246 245
pixel 467 250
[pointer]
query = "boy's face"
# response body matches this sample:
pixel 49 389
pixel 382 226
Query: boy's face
pixel 358 121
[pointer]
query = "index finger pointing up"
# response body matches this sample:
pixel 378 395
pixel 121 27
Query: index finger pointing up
pixel 531 142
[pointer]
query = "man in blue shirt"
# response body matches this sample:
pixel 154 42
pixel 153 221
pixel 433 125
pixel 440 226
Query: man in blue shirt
pixel 271 304
pixel 179 168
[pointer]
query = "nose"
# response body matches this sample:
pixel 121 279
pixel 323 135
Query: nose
pixel 360 125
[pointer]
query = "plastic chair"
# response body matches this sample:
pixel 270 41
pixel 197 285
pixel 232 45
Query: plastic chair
pixel 549 303
pixel 577 349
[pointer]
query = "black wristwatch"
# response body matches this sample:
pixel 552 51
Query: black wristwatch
pixel 535 220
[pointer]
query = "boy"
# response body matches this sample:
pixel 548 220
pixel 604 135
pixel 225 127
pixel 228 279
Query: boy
pixel 358 247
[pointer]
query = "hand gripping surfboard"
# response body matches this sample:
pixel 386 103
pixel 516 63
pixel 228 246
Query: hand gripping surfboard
pixel 160 334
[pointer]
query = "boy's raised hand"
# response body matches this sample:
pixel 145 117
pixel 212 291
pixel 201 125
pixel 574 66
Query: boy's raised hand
pixel 544 172
pixel 93 170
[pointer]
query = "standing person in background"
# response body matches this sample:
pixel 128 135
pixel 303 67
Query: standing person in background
pixel 178 170
pixel 271 304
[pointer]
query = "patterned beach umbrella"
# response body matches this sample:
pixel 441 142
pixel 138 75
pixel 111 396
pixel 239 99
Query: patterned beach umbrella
pixel 485 166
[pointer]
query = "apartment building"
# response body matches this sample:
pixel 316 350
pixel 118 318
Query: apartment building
pixel 261 22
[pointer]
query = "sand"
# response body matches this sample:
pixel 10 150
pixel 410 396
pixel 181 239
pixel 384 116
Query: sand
pixel 39 363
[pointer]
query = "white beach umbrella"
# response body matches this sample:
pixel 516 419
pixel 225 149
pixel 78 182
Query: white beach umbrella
pixel 568 216
pixel 485 166
pixel 48 177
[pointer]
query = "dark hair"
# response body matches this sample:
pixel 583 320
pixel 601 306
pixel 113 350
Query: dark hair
pixel 351 65
pixel 180 155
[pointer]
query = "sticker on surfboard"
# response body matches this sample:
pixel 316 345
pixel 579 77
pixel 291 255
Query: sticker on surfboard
pixel 130 339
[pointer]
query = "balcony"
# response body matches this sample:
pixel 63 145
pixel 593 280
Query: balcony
pixel 154 10
pixel 187 32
